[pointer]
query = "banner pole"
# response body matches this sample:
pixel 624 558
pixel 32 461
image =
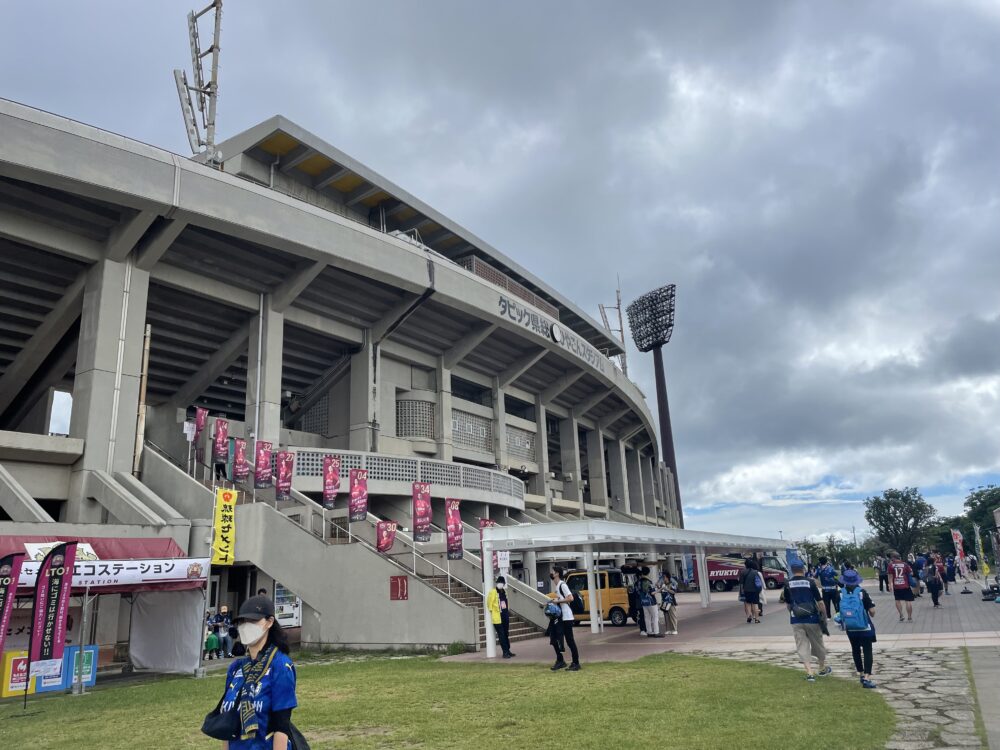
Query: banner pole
pixel 448 566
pixel 78 688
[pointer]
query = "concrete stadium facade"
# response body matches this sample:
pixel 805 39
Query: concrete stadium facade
pixel 315 305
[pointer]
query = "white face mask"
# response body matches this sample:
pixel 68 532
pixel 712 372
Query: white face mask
pixel 250 632
pixel 501 586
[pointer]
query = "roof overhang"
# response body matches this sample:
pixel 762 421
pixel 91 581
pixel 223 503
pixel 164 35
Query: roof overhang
pixel 598 532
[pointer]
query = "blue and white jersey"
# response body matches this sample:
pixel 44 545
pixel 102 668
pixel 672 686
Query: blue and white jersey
pixel 275 691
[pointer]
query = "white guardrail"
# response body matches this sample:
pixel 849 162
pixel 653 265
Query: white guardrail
pixel 384 468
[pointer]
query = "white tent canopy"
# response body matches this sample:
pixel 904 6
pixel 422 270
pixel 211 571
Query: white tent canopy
pixel 590 535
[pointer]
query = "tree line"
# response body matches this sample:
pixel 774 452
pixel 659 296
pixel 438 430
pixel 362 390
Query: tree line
pixel 903 521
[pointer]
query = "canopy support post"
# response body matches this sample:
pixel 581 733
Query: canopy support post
pixel 704 585
pixel 588 552
pixel 491 638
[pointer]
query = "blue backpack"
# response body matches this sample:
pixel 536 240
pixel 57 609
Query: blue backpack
pixel 828 576
pixel 852 610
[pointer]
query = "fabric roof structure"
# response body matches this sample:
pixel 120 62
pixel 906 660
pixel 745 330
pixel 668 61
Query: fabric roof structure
pixel 596 532
pixel 590 535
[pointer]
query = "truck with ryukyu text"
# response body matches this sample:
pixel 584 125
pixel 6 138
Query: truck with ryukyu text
pixel 724 571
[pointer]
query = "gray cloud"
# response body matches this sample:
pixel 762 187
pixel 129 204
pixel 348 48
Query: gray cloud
pixel 819 180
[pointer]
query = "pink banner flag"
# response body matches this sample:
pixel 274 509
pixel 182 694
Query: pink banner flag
pixel 454 529
pixel 283 483
pixel 200 420
pixel 262 465
pixel 421 512
pixel 220 445
pixel 241 466
pixel 10 569
pixel 331 480
pixel 48 629
pixel 386 531
pixel 359 495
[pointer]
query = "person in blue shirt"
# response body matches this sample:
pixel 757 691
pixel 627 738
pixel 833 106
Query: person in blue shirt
pixel 827 575
pixel 803 600
pixel 262 686
pixel 861 639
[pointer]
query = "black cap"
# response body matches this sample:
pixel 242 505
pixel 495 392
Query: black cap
pixel 256 608
pixel 501 579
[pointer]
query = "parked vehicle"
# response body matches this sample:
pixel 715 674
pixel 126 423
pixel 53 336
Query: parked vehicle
pixel 724 571
pixel 613 598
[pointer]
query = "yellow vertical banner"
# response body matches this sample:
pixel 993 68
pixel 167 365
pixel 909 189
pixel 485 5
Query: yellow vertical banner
pixel 224 539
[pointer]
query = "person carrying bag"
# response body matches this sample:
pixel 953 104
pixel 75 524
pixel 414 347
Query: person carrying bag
pixel 255 711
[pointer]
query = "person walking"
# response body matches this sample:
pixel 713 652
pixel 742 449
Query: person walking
pixel 261 687
pixel 902 578
pixel 748 587
pixel 856 610
pixel 935 584
pixel 804 600
pixel 827 575
pixel 496 603
pixel 882 568
pixel 562 628
pixel 667 586
pixel 949 570
pixel 974 566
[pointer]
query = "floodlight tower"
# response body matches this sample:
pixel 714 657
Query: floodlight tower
pixel 206 92
pixel 651 318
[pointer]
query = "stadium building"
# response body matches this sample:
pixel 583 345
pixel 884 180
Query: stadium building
pixel 313 304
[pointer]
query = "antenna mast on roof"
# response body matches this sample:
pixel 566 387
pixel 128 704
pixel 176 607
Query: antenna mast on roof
pixel 620 330
pixel 206 95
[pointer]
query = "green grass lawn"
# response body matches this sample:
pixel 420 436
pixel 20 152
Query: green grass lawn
pixel 868 573
pixel 662 701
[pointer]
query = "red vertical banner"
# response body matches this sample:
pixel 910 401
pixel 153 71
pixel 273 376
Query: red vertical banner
pixel 421 512
pixel 220 443
pixel 241 466
pixel 48 627
pixel 485 523
pixel 262 465
pixel 283 482
pixel 453 527
pixel 331 480
pixel 200 420
pixel 358 510
pixel 386 531
pixel 10 569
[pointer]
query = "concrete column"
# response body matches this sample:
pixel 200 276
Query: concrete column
pixel 442 431
pixel 364 400
pixel 646 470
pixel 531 569
pixel 108 367
pixel 634 474
pixel 267 330
pixel 569 447
pixel 539 484
pixel 619 482
pixel 597 468
pixel 500 426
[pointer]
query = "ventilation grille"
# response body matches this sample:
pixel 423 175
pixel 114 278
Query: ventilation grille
pixel 414 419
pixel 472 431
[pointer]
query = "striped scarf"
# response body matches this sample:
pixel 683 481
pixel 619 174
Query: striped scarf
pixel 253 671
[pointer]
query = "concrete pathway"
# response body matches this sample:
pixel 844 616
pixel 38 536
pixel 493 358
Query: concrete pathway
pixel 920 665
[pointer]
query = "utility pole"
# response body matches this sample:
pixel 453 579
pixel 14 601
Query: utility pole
pixel 855 536
pixel 620 330
pixel 206 93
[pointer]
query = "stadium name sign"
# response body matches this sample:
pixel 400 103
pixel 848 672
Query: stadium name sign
pixel 538 323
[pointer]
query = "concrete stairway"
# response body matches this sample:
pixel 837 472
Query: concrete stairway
pixel 520 629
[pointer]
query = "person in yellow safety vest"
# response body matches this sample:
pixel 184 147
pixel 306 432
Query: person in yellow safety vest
pixel 496 603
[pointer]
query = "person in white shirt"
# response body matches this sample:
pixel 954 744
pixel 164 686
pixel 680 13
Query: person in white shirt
pixel 562 629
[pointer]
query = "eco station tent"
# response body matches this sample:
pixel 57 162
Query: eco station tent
pixel 592 535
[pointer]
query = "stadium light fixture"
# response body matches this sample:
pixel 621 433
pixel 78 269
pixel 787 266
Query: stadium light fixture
pixel 651 318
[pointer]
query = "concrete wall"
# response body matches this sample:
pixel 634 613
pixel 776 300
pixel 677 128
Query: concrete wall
pixel 41 481
pixel 344 575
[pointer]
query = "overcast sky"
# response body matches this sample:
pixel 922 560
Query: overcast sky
pixel 820 180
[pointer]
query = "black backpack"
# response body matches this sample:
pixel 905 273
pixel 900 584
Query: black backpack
pixel 575 606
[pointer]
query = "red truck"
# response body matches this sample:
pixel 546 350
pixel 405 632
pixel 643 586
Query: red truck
pixel 724 571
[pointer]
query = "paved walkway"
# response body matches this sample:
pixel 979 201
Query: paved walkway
pixel 919 665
